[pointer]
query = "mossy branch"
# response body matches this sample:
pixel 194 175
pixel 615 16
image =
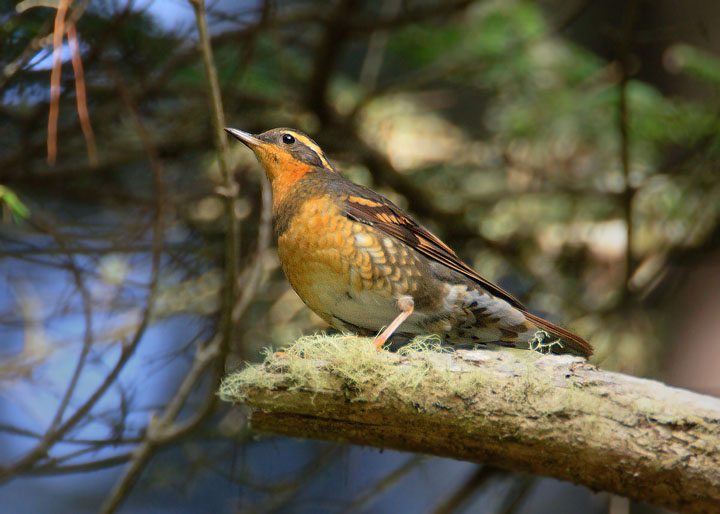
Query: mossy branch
pixel 551 415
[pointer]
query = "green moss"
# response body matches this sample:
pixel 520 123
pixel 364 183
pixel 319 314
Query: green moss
pixel 234 386
pixel 321 362
pixel 352 364
pixel 513 388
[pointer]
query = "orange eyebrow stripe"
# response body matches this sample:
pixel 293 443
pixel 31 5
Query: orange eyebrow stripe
pixel 315 148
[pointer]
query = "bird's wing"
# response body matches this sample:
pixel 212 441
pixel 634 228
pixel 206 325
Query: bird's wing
pixel 366 206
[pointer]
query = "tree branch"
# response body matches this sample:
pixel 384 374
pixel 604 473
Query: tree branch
pixel 556 416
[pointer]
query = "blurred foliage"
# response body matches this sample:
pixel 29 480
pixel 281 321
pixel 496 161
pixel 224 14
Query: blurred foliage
pixel 14 205
pixel 484 120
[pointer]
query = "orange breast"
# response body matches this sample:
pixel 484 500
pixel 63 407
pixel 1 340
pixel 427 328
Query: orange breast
pixel 338 265
pixel 315 253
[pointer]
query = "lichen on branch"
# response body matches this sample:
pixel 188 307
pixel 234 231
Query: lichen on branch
pixel 553 415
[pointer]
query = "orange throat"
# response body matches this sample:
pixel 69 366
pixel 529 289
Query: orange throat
pixel 283 171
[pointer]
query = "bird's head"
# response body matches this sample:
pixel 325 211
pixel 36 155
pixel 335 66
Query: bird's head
pixel 284 153
pixel 287 156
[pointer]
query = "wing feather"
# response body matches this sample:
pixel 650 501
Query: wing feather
pixel 365 206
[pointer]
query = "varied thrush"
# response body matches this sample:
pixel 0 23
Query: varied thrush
pixel 365 266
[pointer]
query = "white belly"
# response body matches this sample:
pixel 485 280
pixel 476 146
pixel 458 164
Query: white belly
pixel 369 309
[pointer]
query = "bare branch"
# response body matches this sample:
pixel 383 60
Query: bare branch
pixel 361 22
pixel 81 97
pixel 59 429
pixel 624 49
pixel 84 467
pixel 230 188
pixel 163 429
pixel 58 33
pixel 88 337
pixel 264 236
pixel 467 489
pixel 160 429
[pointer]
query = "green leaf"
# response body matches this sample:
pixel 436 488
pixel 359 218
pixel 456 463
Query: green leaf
pixel 17 208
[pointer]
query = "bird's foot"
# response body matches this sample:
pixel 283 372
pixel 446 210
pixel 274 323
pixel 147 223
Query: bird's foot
pixel 406 305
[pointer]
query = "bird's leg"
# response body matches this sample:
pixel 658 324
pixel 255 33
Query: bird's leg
pixel 406 306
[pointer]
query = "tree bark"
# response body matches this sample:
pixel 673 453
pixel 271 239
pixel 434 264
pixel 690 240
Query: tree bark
pixel 551 415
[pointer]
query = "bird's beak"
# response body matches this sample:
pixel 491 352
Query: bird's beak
pixel 246 137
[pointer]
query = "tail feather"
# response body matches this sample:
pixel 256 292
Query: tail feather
pixel 572 343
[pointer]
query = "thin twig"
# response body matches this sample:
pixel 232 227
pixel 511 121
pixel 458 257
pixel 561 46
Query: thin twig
pixel 326 54
pixel 88 337
pixel 472 485
pixel 363 501
pixel 230 189
pixel 161 429
pixel 264 236
pixel 362 22
pixel 144 450
pixel 58 33
pixel 41 450
pixel 518 494
pixel 84 467
pixel 81 96
pixel 377 42
pixel 43 39
pixel 624 51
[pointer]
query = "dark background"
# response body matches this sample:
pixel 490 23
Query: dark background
pixel 536 138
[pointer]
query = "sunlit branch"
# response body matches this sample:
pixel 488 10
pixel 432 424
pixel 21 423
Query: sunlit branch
pixel 556 416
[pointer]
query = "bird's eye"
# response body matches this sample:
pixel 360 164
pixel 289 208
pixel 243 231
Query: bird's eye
pixel 288 139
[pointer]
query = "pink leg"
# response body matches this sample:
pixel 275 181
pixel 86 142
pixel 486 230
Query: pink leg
pixel 406 306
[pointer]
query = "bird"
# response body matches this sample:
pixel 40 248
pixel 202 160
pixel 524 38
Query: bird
pixel 365 266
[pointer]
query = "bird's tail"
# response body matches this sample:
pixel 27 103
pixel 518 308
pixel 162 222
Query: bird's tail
pixel 558 339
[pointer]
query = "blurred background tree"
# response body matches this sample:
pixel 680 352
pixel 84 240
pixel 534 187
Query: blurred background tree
pixel 567 150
